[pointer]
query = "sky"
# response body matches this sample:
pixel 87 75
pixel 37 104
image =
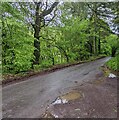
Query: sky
pixel 60 0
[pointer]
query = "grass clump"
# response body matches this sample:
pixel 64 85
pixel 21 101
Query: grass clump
pixel 113 63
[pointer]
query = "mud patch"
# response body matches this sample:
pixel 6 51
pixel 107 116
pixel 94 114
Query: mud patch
pixel 73 95
pixel 98 82
pixel 87 101
pixel 62 100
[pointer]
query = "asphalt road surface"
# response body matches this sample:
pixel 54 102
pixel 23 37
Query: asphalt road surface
pixel 29 99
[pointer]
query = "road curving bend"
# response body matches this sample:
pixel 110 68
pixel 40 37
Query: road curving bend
pixel 29 99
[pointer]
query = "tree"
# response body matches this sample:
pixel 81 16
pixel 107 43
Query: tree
pixel 113 41
pixel 17 41
pixel 39 18
pixel 33 34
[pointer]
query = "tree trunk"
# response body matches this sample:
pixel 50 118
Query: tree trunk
pixel 113 51
pixel 99 46
pixel 89 46
pixel 95 28
pixel 37 29
pixel 36 51
pixel 53 61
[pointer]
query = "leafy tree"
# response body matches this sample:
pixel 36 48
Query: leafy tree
pixel 33 36
pixel 113 41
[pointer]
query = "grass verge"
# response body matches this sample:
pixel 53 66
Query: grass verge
pixel 113 64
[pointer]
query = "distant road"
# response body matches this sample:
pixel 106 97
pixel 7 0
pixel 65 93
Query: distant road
pixel 28 99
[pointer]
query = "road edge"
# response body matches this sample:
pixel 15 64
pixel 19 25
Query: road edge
pixel 46 71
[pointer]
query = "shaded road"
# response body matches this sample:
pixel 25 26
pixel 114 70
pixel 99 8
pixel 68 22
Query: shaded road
pixel 28 99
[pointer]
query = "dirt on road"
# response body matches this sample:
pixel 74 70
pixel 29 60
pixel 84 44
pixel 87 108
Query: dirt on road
pixel 96 99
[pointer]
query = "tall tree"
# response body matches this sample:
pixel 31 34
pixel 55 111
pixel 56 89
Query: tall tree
pixel 39 18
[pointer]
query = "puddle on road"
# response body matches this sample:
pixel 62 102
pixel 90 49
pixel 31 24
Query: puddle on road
pixel 67 97
pixel 73 95
pixel 98 82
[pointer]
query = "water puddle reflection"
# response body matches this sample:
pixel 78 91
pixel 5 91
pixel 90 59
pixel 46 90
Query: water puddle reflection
pixel 67 97
pixel 73 95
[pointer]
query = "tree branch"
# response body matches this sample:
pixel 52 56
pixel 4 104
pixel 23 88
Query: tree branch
pixel 52 17
pixel 46 12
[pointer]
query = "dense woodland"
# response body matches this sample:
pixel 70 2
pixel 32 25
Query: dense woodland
pixel 37 35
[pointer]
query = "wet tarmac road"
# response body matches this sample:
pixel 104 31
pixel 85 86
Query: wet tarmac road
pixel 28 99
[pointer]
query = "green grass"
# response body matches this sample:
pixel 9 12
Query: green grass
pixel 113 63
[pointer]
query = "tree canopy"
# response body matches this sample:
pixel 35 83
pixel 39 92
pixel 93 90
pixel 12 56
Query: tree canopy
pixel 42 34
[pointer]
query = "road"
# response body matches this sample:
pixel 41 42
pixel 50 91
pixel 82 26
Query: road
pixel 28 99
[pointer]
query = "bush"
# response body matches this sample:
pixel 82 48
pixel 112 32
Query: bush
pixel 113 63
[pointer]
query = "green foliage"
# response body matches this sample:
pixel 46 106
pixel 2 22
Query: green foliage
pixel 17 44
pixel 113 63
pixel 77 38
pixel 112 40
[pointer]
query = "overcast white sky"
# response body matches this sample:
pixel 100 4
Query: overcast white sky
pixel 60 0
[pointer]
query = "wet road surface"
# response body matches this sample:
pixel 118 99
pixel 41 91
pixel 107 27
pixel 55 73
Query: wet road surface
pixel 29 99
